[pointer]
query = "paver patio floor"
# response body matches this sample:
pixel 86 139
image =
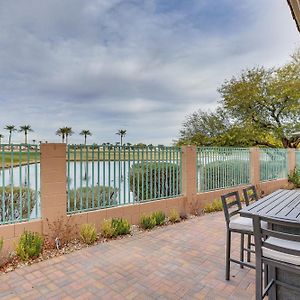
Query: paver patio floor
pixel 181 261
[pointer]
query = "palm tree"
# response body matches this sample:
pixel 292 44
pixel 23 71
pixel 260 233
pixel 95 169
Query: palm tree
pixel 11 129
pixel 68 132
pixel 61 132
pixel 25 129
pixel 121 133
pixel 85 132
pixel 1 137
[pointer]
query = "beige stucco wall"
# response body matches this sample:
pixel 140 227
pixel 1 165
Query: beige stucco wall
pixel 54 197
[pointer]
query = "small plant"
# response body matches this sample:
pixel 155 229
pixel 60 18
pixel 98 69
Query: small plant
pixel 174 216
pixel 29 246
pixel 61 232
pixel 294 177
pixel 159 217
pixel 216 205
pixel 88 233
pixel 3 256
pixel 114 227
pixel 107 229
pixel 121 226
pixel 147 222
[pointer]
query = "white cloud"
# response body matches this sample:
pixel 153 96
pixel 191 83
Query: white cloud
pixel 109 64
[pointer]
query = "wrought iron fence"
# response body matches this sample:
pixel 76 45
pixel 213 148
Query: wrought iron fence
pixel 220 167
pixel 101 176
pixel 273 164
pixel 19 183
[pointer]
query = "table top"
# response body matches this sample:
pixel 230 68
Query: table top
pixel 282 204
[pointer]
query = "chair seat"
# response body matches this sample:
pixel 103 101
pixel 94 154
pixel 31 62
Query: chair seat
pixel 280 256
pixel 243 224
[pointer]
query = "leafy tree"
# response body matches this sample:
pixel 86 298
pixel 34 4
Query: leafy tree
pixel 68 132
pixel 266 100
pixel 11 129
pixel 61 132
pixel 64 132
pixel 85 133
pixel 26 129
pixel 140 145
pixel 121 133
pixel 204 128
pixel 259 107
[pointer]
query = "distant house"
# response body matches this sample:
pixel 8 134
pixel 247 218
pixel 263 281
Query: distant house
pixel 295 9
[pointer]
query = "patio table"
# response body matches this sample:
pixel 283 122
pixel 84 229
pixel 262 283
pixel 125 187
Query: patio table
pixel 283 205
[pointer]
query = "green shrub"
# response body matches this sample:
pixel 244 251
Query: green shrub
pixel 151 180
pixel 224 174
pixel 103 197
pixel 147 222
pixel 61 231
pixel 121 226
pixel 216 205
pixel 107 229
pixel 88 233
pixel 174 216
pixel 114 227
pixel 273 164
pixel 19 195
pixel 294 178
pixel 159 217
pixel 29 246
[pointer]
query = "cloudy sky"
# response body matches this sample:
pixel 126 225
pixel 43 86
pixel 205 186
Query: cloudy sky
pixel 141 65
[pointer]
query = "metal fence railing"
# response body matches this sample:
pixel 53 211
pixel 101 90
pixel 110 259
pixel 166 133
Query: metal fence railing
pixel 19 183
pixel 297 159
pixel 273 164
pixel 101 176
pixel 220 167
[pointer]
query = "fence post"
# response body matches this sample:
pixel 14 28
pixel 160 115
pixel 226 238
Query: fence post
pixel 254 166
pixel 189 179
pixel 291 160
pixel 53 182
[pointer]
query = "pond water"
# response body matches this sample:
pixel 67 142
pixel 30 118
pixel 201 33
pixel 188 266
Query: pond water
pixel 114 174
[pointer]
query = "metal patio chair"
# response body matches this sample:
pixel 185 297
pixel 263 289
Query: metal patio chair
pixel 250 194
pixel 232 205
pixel 275 249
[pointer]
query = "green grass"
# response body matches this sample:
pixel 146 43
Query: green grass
pixel 16 158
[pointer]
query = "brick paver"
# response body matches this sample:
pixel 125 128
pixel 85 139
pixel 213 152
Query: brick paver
pixel 182 261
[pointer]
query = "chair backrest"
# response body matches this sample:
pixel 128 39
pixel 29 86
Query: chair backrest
pixel 231 205
pixel 274 231
pixel 250 194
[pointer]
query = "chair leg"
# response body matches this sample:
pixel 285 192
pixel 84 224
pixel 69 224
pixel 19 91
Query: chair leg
pixel 228 247
pixel 272 272
pixel 242 249
pixel 258 284
pixel 249 248
pixel 266 279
